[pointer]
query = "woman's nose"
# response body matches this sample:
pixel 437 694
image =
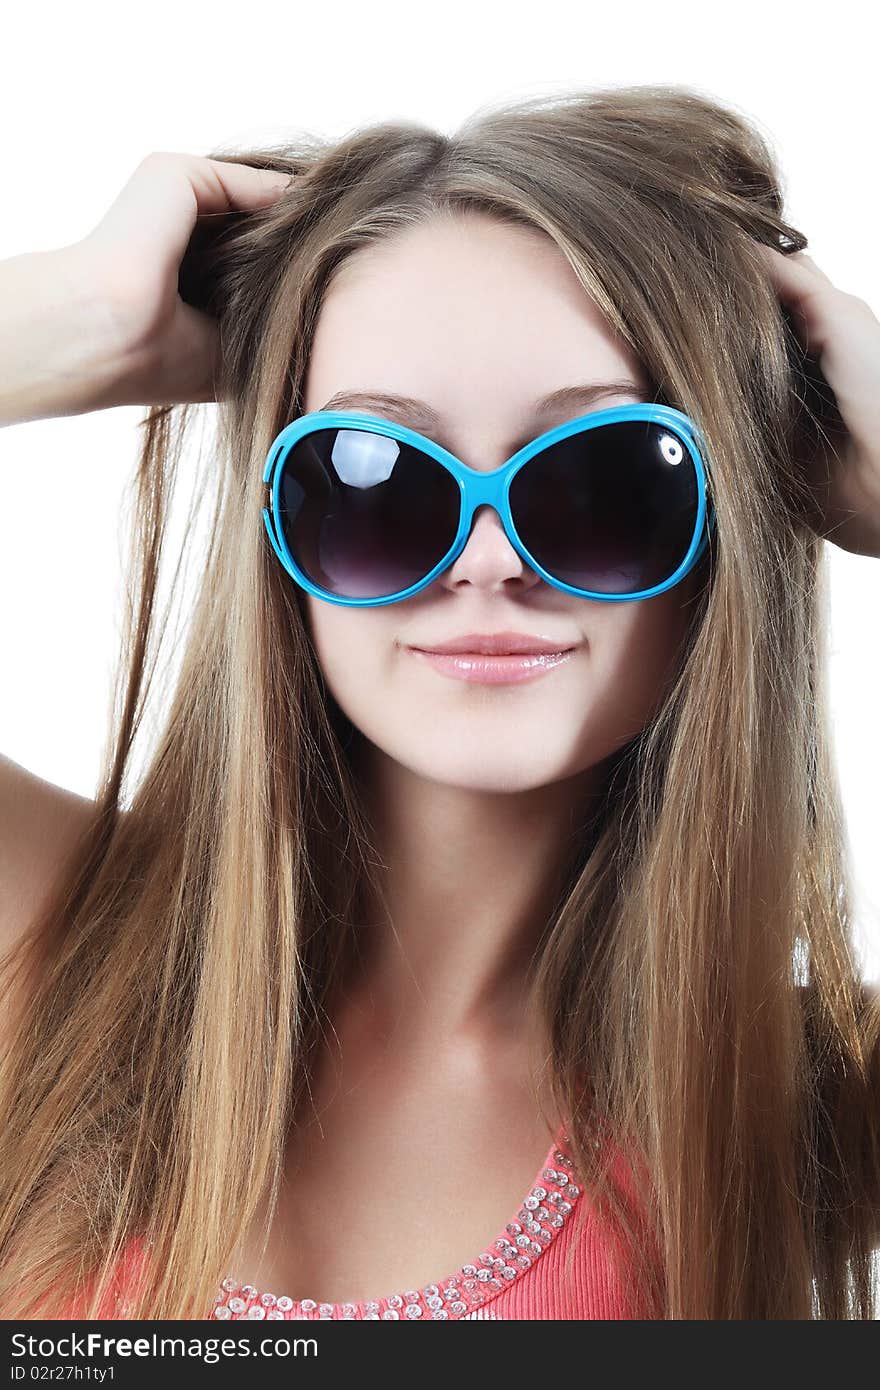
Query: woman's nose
pixel 489 556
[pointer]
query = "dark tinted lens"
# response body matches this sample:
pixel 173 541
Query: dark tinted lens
pixel 365 516
pixel 612 509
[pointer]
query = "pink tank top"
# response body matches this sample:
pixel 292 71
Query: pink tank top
pixel 522 1274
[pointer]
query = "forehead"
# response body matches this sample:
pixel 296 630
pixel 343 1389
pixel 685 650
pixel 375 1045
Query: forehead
pixel 462 312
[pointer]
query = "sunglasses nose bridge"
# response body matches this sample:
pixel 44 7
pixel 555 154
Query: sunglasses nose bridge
pixel 482 490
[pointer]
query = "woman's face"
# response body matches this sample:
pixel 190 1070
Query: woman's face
pixel 480 319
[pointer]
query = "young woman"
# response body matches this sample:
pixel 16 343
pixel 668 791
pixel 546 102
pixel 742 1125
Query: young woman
pixel 475 941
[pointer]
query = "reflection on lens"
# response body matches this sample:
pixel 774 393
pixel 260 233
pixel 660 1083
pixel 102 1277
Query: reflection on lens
pixel 611 509
pixel 363 515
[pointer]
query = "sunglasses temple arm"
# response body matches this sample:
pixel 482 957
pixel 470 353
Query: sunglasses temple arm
pixel 704 540
pixel 271 530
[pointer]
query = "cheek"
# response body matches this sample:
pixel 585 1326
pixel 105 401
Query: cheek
pixel 350 646
pixel 327 625
pixel 636 653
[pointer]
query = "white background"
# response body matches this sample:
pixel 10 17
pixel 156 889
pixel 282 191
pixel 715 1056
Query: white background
pixel 88 89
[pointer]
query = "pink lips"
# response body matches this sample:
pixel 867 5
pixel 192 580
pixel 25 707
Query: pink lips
pixel 499 658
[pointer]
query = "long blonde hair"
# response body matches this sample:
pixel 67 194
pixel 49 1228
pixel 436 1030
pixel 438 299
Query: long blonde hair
pixel 698 968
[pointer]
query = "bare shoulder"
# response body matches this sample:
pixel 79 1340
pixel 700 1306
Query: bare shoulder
pixel 39 825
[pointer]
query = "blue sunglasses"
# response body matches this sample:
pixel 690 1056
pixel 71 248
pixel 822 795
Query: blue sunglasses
pixel 611 506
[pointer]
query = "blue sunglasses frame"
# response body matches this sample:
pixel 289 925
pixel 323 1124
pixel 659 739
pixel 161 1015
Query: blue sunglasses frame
pixel 484 489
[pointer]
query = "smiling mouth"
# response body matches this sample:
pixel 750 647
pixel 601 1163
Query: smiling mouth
pixel 493 669
pixel 510 643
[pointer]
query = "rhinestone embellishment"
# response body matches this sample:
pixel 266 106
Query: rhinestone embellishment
pixel 542 1214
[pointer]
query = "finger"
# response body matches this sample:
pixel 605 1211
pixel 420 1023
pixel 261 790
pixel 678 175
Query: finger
pixel 791 267
pixel 800 258
pixel 805 289
pixel 155 213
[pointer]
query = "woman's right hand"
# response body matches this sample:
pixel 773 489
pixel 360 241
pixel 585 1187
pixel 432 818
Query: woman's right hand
pixel 100 322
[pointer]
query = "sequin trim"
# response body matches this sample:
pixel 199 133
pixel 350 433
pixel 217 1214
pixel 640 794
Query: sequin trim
pixel 464 1294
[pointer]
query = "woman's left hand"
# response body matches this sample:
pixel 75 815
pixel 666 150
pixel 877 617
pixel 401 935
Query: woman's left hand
pixel 842 333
